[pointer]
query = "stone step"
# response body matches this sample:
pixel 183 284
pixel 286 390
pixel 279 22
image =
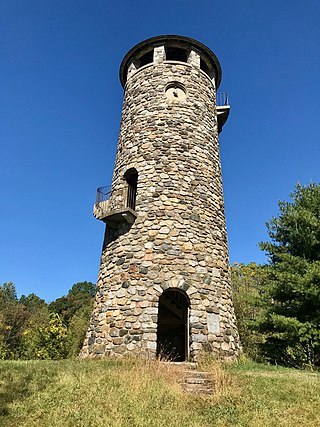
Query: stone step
pixel 192 380
pixel 198 382
pixel 197 388
pixel 198 374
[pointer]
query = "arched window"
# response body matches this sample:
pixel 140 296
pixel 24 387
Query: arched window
pixel 131 177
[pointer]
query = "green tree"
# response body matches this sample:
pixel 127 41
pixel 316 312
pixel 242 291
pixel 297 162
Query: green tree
pixel 29 331
pixel 77 329
pixel 80 295
pixel 32 302
pixel 52 339
pixel 86 288
pixel 249 283
pixel 13 321
pixel 38 318
pixel 8 293
pixel 292 321
pixel 75 309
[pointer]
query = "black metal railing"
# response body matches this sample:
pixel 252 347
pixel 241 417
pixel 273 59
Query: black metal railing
pixel 222 99
pixel 103 193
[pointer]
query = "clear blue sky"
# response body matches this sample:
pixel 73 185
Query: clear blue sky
pixel 60 114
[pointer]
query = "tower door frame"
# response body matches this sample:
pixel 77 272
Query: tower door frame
pixel 131 177
pixel 173 333
pixel 188 333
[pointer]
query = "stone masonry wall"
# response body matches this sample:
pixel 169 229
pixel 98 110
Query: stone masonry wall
pixel 178 239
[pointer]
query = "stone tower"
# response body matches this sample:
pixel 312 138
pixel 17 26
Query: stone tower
pixel 164 283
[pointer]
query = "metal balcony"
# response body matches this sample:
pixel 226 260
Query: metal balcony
pixel 223 109
pixel 113 216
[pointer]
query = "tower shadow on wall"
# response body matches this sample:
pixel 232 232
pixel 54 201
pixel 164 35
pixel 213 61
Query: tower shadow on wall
pixel 113 234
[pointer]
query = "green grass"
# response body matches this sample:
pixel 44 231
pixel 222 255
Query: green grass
pixel 139 393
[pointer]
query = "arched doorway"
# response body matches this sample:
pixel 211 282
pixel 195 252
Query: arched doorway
pixel 173 325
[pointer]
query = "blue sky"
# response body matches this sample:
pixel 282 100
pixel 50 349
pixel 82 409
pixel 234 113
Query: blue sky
pixel 60 113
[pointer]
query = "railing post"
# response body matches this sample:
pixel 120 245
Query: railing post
pixel 222 99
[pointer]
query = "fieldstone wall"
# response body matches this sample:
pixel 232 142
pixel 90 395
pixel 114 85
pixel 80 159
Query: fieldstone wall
pixel 178 239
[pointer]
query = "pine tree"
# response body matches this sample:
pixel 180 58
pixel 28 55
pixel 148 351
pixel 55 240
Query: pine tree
pixel 292 322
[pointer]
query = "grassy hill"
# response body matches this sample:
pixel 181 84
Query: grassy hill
pixel 136 393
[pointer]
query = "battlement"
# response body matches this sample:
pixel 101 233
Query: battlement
pixel 171 48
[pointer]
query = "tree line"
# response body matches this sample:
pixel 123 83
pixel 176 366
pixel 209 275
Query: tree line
pixel 277 304
pixel 32 329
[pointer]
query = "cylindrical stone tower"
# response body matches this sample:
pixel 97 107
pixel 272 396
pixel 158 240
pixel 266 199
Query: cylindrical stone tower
pixel 164 282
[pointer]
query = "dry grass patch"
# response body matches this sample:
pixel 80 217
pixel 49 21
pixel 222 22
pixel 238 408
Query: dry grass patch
pixel 143 393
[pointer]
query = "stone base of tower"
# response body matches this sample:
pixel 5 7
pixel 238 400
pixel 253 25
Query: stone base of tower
pixel 157 323
pixel 98 351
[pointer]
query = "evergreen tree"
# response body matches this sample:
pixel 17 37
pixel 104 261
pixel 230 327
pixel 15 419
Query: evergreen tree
pixel 292 322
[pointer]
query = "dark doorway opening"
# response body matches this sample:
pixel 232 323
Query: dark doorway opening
pixel 131 176
pixel 173 326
